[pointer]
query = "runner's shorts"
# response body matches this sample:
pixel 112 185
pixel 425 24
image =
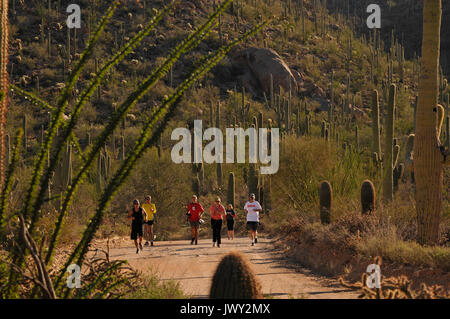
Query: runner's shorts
pixel 230 224
pixel 136 230
pixel 149 222
pixel 194 224
pixel 252 226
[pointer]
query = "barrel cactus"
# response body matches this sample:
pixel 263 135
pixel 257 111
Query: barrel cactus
pixel 326 197
pixel 234 279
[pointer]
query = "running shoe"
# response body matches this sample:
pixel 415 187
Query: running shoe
pixel 146 243
pixel 192 241
pixel 137 250
pixel 196 242
pixel 256 240
pixel 140 246
pixel 218 245
pixel 214 244
pixel 151 243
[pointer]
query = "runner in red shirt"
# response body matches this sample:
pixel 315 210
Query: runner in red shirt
pixel 194 213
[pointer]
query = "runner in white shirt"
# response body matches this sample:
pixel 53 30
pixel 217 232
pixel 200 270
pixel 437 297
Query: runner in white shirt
pixel 253 208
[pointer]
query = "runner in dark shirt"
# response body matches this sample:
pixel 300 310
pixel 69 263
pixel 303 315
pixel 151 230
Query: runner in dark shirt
pixel 138 216
pixel 231 215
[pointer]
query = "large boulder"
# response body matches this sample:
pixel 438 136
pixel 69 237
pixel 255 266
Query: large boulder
pixel 261 63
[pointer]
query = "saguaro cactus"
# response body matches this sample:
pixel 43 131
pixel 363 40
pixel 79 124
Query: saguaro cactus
pixel 196 185
pixel 231 189
pixel 427 157
pixel 409 158
pixel 253 179
pixel 368 197
pixel 326 197
pixel 219 175
pixel 234 279
pixel 388 159
pixel 376 143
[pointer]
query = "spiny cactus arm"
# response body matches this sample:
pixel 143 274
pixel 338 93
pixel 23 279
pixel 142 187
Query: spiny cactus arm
pixel 166 111
pixel 4 196
pixel 43 104
pixel 57 118
pixel 107 290
pixel 34 99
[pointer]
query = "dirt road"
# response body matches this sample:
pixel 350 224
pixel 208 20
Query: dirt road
pixel 194 266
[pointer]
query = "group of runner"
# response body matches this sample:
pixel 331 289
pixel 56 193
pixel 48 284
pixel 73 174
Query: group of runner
pixel 143 217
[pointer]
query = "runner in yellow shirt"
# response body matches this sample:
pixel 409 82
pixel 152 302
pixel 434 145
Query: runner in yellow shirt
pixel 150 208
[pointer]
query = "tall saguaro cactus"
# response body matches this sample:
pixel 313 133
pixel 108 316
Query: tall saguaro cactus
pixel 231 189
pixel 4 83
pixel 388 158
pixel 427 158
pixel 376 144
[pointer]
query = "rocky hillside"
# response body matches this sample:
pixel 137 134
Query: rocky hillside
pixel 403 18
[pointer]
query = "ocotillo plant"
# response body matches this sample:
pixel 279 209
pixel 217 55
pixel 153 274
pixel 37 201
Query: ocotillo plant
pixel 388 158
pixel 427 157
pixel 234 279
pixel 368 197
pixel 231 189
pixel 151 131
pixel 4 195
pixel 326 197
